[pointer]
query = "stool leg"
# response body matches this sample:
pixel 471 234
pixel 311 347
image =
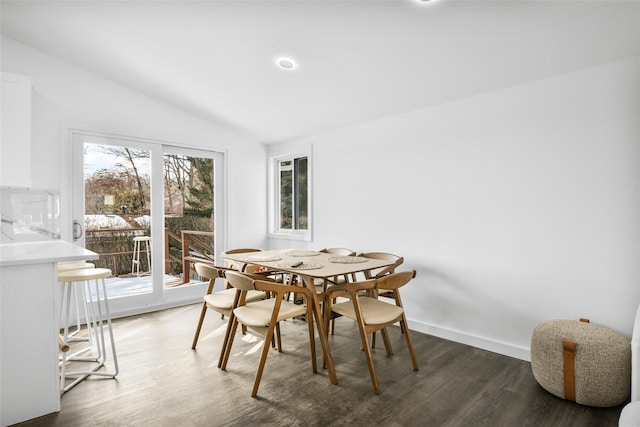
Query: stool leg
pixel 108 313
pixel 91 328
pixel 135 262
pixel 100 327
pixel 88 313
pixel 65 302
pixel 100 341
pixel 148 256
pixel 78 325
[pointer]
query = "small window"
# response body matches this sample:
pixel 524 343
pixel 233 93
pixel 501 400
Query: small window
pixel 290 198
pixel 293 194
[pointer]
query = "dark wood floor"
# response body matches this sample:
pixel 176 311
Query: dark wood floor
pixel 163 382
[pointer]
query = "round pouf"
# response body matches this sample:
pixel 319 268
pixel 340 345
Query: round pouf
pixel 601 359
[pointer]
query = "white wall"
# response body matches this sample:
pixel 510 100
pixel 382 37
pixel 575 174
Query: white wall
pixel 63 94
pixel 514 206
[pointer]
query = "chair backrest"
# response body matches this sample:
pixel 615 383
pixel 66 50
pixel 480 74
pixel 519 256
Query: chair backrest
pixel 238 265
pixel 240 281
pixel 338 251
pixel 394 281
pixel 280 289
pixel 208 271
pixel 242 250
pixel 377 273
pixel 351 289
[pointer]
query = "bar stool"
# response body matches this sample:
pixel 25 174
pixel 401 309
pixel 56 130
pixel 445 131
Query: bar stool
pixel 137 243
pixel 79 295
pixel 97 301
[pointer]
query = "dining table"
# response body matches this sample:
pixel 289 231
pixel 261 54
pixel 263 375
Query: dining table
pixel 310 265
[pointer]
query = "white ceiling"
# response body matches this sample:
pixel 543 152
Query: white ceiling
pixel 359 60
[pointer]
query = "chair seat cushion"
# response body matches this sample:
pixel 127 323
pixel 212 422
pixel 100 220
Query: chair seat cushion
pixel 223 300
pixel 374 312
pixel 602 361
pixel 258 314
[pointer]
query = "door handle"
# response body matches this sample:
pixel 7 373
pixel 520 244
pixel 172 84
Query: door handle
pixel 77 230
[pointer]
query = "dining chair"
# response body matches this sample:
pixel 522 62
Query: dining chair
pixel 265 316
pixel 340 252
pixel 238 265
pixel 379 272
pixel 373 314
pixel 323 283
pixel 248 268
pixel 220 301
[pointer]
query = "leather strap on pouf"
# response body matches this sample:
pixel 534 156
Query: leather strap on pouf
pixel 569 363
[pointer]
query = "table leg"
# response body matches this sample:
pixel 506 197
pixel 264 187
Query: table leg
pixel 326 352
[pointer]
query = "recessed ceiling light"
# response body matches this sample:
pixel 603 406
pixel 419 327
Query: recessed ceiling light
pixel 286 63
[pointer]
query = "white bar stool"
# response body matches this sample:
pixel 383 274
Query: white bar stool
pixel 98 301
pixel 79 295
pixel 137 243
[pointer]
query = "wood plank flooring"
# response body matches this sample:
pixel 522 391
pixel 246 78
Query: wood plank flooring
pixel 162 382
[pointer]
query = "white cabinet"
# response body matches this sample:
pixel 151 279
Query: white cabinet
pixel 15 139
pixel 29 319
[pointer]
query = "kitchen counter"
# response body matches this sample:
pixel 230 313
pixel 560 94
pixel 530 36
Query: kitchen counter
pixel 29 327
pixel 42 252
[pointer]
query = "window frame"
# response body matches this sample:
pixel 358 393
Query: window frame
pixel 275 230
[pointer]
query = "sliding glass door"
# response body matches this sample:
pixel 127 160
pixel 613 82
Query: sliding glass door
pixel 151 211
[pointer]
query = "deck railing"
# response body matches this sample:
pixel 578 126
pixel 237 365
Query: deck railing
pixel 193 248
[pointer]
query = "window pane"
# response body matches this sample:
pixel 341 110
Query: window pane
pixel 117 202
pixel 189 214
pixel 286 194
pixel 301 190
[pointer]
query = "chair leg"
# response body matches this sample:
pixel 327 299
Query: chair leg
pixel 312 339
pixel 278 337
pixel 263 359
pixel 326 315
pixel 387 342
pixel 333 319
pixel 202 314
pixel 227 345
pixel 369 356
pixel 225 341
pixel 407 338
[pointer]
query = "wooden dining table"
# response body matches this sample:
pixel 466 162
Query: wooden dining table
pixel 309 266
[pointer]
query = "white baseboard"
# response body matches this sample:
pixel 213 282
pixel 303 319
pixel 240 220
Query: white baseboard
pixel 506 349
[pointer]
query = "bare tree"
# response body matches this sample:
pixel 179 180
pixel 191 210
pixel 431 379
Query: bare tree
pixel 130 155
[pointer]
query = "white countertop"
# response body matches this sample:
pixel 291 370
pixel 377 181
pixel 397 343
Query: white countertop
pixel 42 252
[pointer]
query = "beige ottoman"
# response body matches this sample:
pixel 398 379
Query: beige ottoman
pixel 582 362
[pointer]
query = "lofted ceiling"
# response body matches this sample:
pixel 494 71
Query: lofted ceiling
pixel 358 60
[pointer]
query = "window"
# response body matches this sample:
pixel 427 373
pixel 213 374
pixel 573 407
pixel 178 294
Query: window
pixel 290 201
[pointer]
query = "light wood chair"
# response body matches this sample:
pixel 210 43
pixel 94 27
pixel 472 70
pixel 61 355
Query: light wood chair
pixel 322 284
pixel 340 252
pixel 379 272
pixel 220 301
pixel 238 265
pixel 265 316
pixel 373 315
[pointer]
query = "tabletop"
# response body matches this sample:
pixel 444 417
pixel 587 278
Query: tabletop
pixel 308 263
